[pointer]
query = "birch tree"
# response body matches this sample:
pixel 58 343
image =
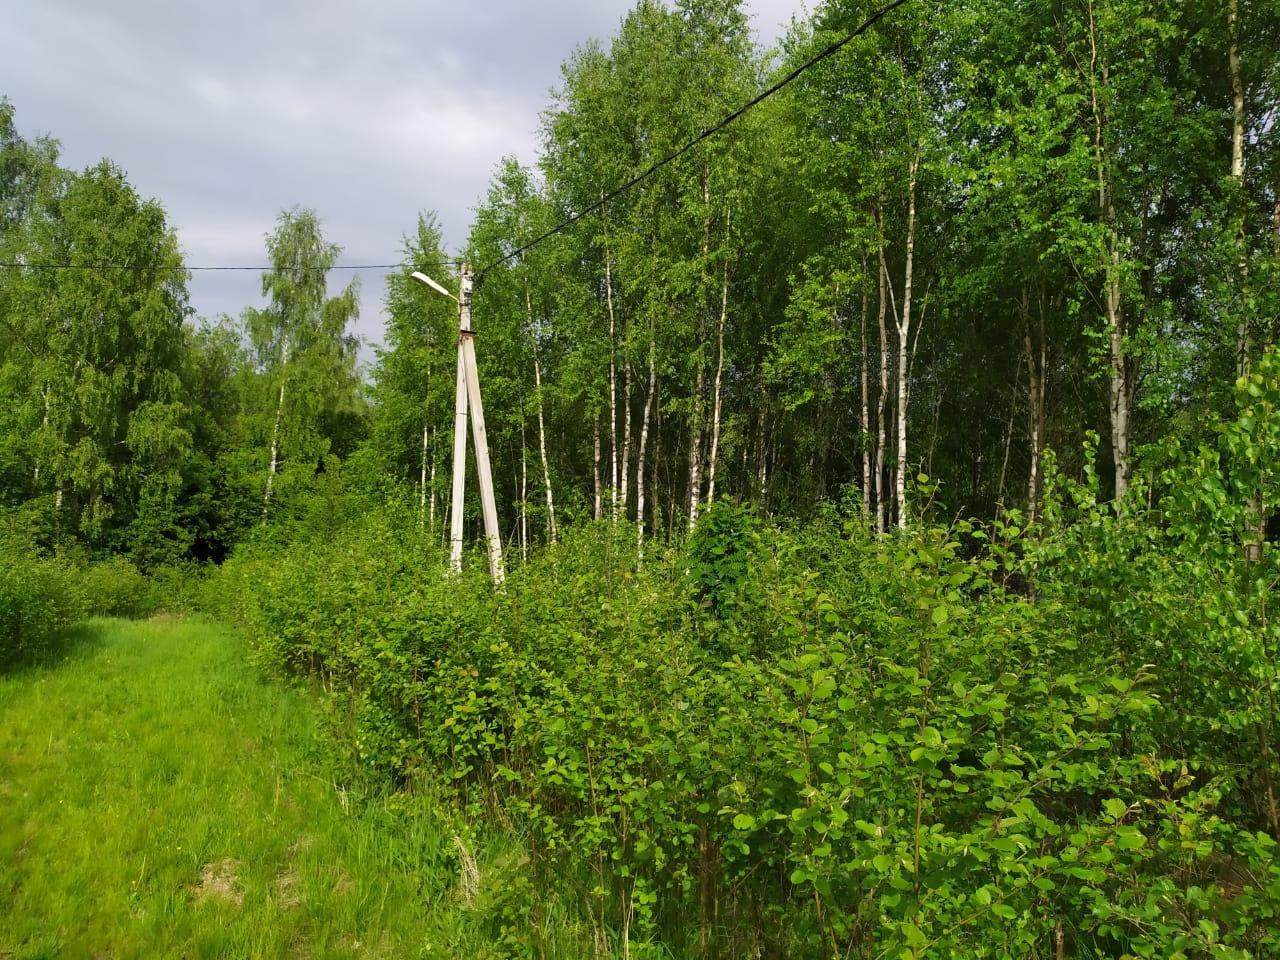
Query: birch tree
pixel 302 342
pixel 414 373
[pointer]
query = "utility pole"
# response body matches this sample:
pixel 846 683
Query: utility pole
pixel 467 354
pixel 467 399
pixel 459 441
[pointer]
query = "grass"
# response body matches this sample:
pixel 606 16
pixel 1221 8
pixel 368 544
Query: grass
pixel 158 799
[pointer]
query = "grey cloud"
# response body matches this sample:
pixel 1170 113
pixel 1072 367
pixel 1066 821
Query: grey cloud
pixel 229 112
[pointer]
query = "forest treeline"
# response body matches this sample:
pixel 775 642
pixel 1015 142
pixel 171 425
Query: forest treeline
pixel 977 232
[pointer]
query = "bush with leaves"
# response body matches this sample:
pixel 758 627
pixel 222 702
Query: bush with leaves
pixel 814 741
pixel 38 597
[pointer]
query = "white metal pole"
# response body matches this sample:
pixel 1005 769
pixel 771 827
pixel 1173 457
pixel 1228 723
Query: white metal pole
pixel 479 439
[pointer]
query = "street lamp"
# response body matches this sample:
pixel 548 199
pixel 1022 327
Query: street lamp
pixel 423 278
pixel 468 395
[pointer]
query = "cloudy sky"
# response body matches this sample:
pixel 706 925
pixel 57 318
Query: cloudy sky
pixel 229 112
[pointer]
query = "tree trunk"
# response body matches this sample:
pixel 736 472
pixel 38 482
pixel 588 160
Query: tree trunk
pixel 432 508
pixel 696 426
pixel 1120 391
pixel 524 496
pixel 655 505
pixel 644 442
pixel 760 442
pixel 613 389
pixel 624 483
pixel 275 431
pixel 904 331
pixel 542 429
pixel 864 413
pixel 672 494
pixel 542 453
pixel 44 425
pixel 1008 443
pixel 695 446
pixel 1244 348
pixel 938 397
pixel 275 455
pixel 1256 523
pixel 1036 371
pixel 772 460
pixel 595 460
pixel 715 407
pixel 422 482
pixel 882 505
pixel 1120 388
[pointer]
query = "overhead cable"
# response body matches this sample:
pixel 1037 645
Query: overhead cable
pixel 704 135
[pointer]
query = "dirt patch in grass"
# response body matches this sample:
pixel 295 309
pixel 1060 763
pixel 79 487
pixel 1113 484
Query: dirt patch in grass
pixel 218 882
pixel 287 893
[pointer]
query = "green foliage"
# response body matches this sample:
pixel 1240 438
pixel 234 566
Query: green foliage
pixel 42 594
pixel 38 597
pixel 808 741
pixel 719 552
pixel 1128 577
pixel 114 588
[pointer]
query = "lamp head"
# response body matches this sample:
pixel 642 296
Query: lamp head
pixel 423 278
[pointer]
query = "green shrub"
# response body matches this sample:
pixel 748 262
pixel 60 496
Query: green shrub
pixel 176 589
pixel 799 742
pixel 115 588
pixel 37 598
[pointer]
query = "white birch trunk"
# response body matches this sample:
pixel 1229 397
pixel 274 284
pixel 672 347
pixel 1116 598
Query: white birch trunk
pixel 864 414
pixel 624 483
pixel 432 508
pixel 542 428
pixel 275 455
pixel 422 481
pixel 613 389
pixel 1256 523
pixel 882 504
pixel 44 426
pixel 655 505
pixel 542 452
pixel 715 406
pixel 644 443
pixel 524 497
pixel 904 332
pixel 695 449
pixel 275 430
pixel 595 460
pixel 1036 368
pixel 696 427
pixel 1119 387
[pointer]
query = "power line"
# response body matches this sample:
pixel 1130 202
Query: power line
pixel 705 134
pixel 14 265
pixel 560 227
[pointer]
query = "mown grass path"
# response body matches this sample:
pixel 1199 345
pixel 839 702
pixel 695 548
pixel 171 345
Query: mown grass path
pixel 157 799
